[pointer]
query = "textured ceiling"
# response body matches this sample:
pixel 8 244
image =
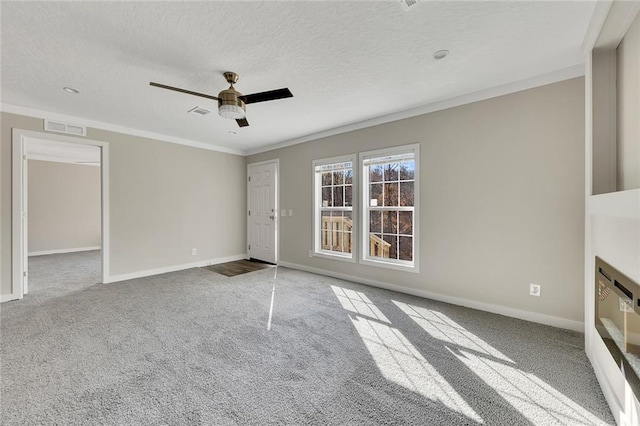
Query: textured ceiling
pixel 345 62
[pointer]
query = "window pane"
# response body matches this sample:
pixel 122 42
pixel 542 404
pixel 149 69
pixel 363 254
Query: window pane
pixel 391 171
pixel 348 242
pixel 375 173
pixel 406 248
pixel 375 222
pixel 406 193
pixel 390 194
pixel 325 233
pixel 348 196
pixel 326 197
pixel 407 170
pixel 333 231
pixel 337 196
pixel 348 177
pixel 338 178
pixel 390 222
pixel 348 221
pixel 406 223
pixel 325 220
pixel 336 223
pixel 337 240
pixel 326 178
pixel 389 204
pixel 392 240
pixel 377 246
pixel 375 193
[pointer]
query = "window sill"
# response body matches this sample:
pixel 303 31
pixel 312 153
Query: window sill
pixel 341 258
pixel 388 265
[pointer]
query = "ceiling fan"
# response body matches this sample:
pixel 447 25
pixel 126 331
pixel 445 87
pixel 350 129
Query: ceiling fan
pixel 231 103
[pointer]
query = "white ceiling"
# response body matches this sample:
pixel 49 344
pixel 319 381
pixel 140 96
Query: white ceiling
pixel 345 62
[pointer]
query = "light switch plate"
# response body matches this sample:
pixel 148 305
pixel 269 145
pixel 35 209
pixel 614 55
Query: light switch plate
pixel 283 213
pixel 290 212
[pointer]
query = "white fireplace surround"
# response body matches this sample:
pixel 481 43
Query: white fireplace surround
pixel 612 218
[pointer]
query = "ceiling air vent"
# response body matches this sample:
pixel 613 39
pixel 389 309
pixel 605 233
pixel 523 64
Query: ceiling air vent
pixel 407 4
pixel 60 127
pixel 198 111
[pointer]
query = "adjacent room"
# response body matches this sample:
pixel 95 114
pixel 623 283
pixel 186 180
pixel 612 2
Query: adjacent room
pixel 344 213
pixel 64 216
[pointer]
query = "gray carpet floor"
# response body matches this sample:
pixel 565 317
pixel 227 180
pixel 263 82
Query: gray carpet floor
pixel 58 274
pixel 194 347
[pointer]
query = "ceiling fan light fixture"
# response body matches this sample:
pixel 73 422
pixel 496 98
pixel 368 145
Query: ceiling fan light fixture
pixel 229 106
pixel 233 112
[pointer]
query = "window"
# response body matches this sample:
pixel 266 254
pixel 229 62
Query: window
pixel 390 207
pixel 333 212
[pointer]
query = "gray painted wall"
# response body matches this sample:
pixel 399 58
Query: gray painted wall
pixel 165 200
pixel 502 197
pixel 63 206
pixel 628 110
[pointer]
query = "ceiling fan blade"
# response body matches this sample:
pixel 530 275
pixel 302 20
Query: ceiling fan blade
pixel 266 96
pixel 177 89
pixel 242 122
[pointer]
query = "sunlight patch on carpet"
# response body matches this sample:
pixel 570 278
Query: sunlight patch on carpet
pixel 441 327
pixel 273 295
pixel 533 398
pixel 358 303
pixel 401 363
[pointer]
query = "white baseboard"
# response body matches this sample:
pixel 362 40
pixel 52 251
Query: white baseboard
pixel 67 250
pixel 488 307
pixel 174 268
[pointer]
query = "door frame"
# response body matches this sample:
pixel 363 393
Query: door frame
pixel 275 161
pixel 19 194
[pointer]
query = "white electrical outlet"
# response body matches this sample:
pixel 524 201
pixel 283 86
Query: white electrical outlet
pixel 194 252
pixel 535 289
pixel 310 253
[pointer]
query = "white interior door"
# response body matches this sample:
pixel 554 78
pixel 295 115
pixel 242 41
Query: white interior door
pixel 263 218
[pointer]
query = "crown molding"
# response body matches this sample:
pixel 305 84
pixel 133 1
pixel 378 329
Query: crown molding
pixel 598 18
pixel 493 92
pixel 574 71
pixel 609 24
pixel 31 112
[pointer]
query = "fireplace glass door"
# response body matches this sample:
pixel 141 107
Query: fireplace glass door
pixel 617 319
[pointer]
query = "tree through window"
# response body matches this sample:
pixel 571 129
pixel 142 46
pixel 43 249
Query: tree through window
pixel 333 213
pixel 389 201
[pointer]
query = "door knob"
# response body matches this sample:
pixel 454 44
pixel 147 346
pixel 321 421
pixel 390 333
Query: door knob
pixel 272 217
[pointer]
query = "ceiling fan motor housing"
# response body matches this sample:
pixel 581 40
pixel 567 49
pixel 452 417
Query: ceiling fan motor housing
pixel 229 106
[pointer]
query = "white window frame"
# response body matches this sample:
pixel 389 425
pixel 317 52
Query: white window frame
pixel 365 259
pixel 317 206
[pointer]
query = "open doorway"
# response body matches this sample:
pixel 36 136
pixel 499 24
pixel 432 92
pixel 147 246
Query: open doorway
pixel 63 222
pixel 60 196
